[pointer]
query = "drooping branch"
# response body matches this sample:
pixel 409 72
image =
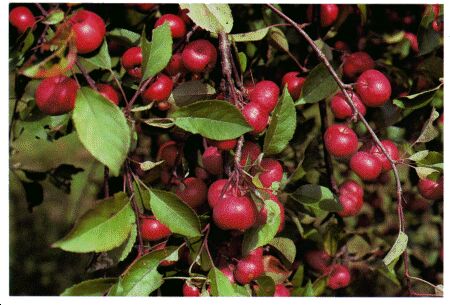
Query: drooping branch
pixel 349 101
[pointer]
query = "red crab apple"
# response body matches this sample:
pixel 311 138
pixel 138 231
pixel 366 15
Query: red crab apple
pixel 56 95
pixel 228 272
pixel 390 148
pixel 262 216
pixel 256 117
pixel 341 109
pixel 294 84
pixel 176 24
pixel 318 260
pixel 339 277
pixel 412 41
pixel 215 195
pixel 351 204
pixel 281 291
pixel 193 192
pixel 432 190
pixel 175 65
pixel 212 160
pixel 235 213
pixel 365 165
pixel 328 14
pixel 158 91
pixel 272 171
pixel 199 55
pixel 109 92
pixel 249 268
pixel 250 151
pixel 190 291
pixel 168 152
pixel 132 61
pixel 152 229
pixel 373 88
pixel 225 144
pixel 89 30
pixel 356 63
pixel 21 18
pixel 340 140
pixel 351 187
pixel 265 94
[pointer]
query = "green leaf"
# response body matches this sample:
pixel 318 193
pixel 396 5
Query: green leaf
pixel 174 213
pixel 309 290
pixel 192 91
pixel 220 284
pixel 213 17
pixel 320 285
pixel 156 56
pixel 122 252
pixel 424 172
pixel 125 35
pixel 266 286
pixel 263 234
pixel 278 37
pixel 325 48
pixel 102 128
pixel 213 119
pixel 318 85
pixel 420 155
pixel 359 246
pixel 316 195
pixel 142 278
pixel 250 36
pixel 159 122
pixel 297 279
pixel 397 249
pixel 149 165
pixel 416 101
pixel 428 39
pixel 286 247
pixel 101 60
pixel 96 287
pixel 101 229
pixel 331 238
pixel 242 61
pixel 54 17
pixel 429 132
pixel 282 125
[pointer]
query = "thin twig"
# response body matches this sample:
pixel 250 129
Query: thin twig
pixel 106 181
pixel 227 69
pixel 89 79
pixel 42 9
pixel 343 88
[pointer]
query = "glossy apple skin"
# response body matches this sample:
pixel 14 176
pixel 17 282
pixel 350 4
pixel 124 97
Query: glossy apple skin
pixel 159 90
pixel 328 14
pixel 342 110
pixel 193 192
pixel 390 148
pixel 21 18
pixel 190 291
pixel 339 277
pixel 168 152
pixel 365 165
pixel 265 94
pixel 215 190
pixel 56 95
pixel 109 92
pixel 356 63
pixel 212 160
pixel 272 171
pixel 235 213
pixel 132 61
pixel 153 230
pixel 249 267
pixel 373 88
pixel 199 56
pixel 89 30
pixel 340 140
pixel 294 84
pixel 432 190
pixel 256 117
pixel 281 291
pixel 176 24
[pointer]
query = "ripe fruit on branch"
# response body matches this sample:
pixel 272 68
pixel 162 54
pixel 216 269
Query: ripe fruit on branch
pixel 249 267
pixel 340 140
pixel 215 195
pixel 89 30
pixel 256 117
pixel 56 95
pixel 433 190
pixel 250 151
pixel 158 91
pixel 262 216
pixel 341 109
pixel 328 14
pixel 21 18
pixel 339 277
pixel 168 152
pixel 318 260
pixel 225 144
pixel 152 229
pixel 265 94
pixel 132 61
pixel 390 148
pixel 228 271
pixel 351 204
pixel 412 41
pixel 109 92
pixel 212 160
pixel 356 63
pixel 294 84
pixel 281 291
pixel 351 187
pixel 272 171
pixel 193 192
pixel 235 213
pixel 373 88
pixel 175 65
pixel 190 291
pixel 199 56
pixel 365 165
pixel 176 24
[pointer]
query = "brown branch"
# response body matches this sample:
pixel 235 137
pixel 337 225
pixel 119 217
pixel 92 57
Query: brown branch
pixel 89 79
pixel 343 88
pixel 326 155
pixel 42 9
pixel 139 91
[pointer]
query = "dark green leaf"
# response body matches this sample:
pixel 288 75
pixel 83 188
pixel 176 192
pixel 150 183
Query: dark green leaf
pixel 318 85
pixel 101 60
pixel 122 252
pixel 174 213
pixel 96 287
pixel 263 234
pixel 266 286
pixel 192 91
pixel 358 246
pixel 220 284
pixel 416 101
pixel 212 17
pixel 397 249
pixel 156 56
pixel 282 126
pixel 125 35
pixel 213 119
pixel 286 246
pixel 429 132
pixel 102 128
pixel 103 228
